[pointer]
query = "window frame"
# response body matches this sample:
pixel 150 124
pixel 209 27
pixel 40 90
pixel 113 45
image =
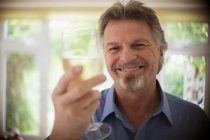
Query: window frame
pixel 192 49
pixel 43 59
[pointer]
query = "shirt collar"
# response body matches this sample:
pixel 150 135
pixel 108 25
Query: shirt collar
pixel 109 103
pixel 164 105
pixel 110 106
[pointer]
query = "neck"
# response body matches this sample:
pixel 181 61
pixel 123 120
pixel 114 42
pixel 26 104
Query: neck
pixel 138 106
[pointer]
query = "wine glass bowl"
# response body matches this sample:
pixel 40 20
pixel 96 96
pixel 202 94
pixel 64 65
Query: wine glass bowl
pixel 80 47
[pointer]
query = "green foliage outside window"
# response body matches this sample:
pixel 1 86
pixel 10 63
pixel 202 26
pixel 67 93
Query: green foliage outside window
pixel 173 77
pixel 176 72
pixel 18 111
pixel 186 32
pixel 23 28
pixel 19 114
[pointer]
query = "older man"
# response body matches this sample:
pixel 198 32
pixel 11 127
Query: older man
pixel 135 107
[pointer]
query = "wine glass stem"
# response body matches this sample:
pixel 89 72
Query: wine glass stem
pixel 92 119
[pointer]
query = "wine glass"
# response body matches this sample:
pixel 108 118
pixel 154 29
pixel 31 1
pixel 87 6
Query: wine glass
pixel 80 46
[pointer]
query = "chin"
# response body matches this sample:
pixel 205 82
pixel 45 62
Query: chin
pixel 132 84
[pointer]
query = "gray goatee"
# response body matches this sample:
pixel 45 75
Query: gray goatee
pixel 133 83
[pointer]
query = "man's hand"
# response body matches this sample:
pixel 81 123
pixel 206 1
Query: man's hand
pixel 74 105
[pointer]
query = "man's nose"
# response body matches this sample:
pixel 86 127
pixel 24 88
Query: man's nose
pixel 127 55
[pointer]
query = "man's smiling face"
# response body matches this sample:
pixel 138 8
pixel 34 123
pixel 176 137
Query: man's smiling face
pixel 131 54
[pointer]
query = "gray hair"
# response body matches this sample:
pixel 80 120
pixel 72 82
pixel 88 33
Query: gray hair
pixel 137 11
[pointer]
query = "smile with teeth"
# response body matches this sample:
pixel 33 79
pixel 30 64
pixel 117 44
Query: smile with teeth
pixel 129 68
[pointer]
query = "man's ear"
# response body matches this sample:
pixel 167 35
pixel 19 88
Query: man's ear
pixel 161 60
pixel 161 52
pixel 161 55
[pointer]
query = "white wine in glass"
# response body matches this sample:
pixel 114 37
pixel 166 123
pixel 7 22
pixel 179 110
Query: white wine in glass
pixel 91 66
pixel 80 47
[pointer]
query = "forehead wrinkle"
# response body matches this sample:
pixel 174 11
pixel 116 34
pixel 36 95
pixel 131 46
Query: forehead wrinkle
pixel 117 43
pixel 140 40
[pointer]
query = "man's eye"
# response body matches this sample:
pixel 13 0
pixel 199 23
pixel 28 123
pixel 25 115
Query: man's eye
pixel 139 46
pixel 113 49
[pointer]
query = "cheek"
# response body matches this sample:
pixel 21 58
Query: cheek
pixel 152 56
pixel 108 61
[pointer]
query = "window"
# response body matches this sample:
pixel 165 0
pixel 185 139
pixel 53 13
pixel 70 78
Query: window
pixel 23 70
pixel 184 76
pixel 184 70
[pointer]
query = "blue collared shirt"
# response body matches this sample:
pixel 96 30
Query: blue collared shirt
pixel 175 119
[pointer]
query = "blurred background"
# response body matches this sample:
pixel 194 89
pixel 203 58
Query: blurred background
pixel 30 60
